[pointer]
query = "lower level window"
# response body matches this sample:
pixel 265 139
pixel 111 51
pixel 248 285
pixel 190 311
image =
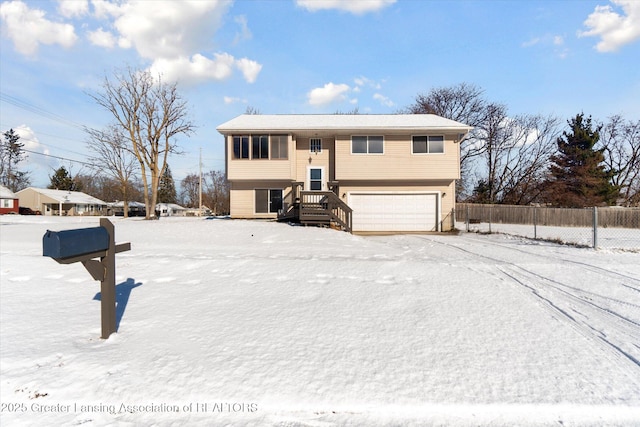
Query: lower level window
pixel 268 200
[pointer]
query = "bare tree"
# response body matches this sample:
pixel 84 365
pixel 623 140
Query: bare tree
pixel 217 192
pixel 463 103
pixel 620 140
pixel 515 156
pixel 114 158
pixel 190 186
pixel 151 114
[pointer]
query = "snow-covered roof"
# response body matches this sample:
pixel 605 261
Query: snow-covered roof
pixel 120 204
pixel 65 196
pixel 5 193
pixel 337 122
pixel 171 206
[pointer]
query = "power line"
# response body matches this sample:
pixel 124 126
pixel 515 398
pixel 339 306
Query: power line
pixel 61 158
pixel 40 111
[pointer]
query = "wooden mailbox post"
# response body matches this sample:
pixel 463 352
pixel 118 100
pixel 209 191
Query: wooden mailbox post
pixel 84 245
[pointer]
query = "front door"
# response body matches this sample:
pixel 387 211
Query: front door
pixel 315 178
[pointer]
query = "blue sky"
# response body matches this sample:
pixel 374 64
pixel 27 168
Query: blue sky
pixel 306 56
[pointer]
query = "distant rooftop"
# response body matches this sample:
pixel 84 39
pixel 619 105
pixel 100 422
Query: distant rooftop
pixel 65 196
pixel 5 193
pixel 361 122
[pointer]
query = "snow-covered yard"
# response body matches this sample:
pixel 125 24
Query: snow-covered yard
pixel 225 322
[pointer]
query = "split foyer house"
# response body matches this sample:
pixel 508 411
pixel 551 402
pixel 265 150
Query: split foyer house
pixel 361 173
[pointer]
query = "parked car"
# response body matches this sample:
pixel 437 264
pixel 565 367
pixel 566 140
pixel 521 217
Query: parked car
pixel 28 211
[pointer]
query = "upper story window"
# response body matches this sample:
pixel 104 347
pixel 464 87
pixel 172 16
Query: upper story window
pixel 241 147
pixel 428 144
pixel 315 145
pixel 260 146
pixel 367 145
pixel 279 144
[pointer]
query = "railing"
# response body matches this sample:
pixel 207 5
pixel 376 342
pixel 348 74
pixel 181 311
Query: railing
pixel 324 206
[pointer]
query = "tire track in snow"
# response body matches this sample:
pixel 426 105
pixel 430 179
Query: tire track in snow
pixel 588 318
pixel 589 267
pixel 587 324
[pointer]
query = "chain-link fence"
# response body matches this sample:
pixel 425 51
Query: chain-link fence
pixel 612 227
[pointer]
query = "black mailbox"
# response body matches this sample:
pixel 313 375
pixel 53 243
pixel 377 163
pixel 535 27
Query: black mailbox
pixel 73 243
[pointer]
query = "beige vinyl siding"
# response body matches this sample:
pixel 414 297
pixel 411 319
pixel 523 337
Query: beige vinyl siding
pixel 242 197
pixel 397 162
pixel 270 169
pixel 306 158
pixel 29 198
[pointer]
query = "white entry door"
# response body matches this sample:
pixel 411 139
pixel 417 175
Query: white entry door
pixel 315 178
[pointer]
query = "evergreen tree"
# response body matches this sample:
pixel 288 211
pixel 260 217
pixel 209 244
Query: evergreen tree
pixel 62 180
pixel 11 154
pixel 167 188
pixel 577 177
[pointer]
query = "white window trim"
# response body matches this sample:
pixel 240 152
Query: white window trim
pixel 444 146
pixel 367 153
pixel 271 146
pixel 311 145
pixel 307 183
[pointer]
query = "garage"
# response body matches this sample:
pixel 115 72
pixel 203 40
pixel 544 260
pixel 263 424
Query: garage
pixel 394 211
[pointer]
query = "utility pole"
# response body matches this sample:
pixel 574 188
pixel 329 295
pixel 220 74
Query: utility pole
pixel 200 187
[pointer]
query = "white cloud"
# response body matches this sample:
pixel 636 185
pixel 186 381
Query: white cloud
pixel 364 81
pixel 195 69
pixel 172 36
pixel 102 38
pixel 28 28
pixel 73 8
pixel 250 69
pixel 614 29
pixel 357 7
pixel 199 68
pixel 245 33
pixel 31 143
pixel 383 100
pixel 103 9
pixel 328 94
pixel 177 28
pixel 532 42
pixel 232 100
pixel 546 41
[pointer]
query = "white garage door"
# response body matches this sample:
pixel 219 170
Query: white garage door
pixel 394 212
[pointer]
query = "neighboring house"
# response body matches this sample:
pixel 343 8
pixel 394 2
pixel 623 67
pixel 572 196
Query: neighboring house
pixel 135 209
pixel 377 173
pixel 170 209
pixel 61 202
pixel 9 202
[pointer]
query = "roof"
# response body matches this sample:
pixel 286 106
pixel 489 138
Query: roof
pixel 5 193
pixel 362 122
pixel 120 204
pixel 65 196
pixel 172 206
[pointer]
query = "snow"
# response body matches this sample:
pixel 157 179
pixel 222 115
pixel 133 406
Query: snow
pixel 607 238
pixel 230 322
